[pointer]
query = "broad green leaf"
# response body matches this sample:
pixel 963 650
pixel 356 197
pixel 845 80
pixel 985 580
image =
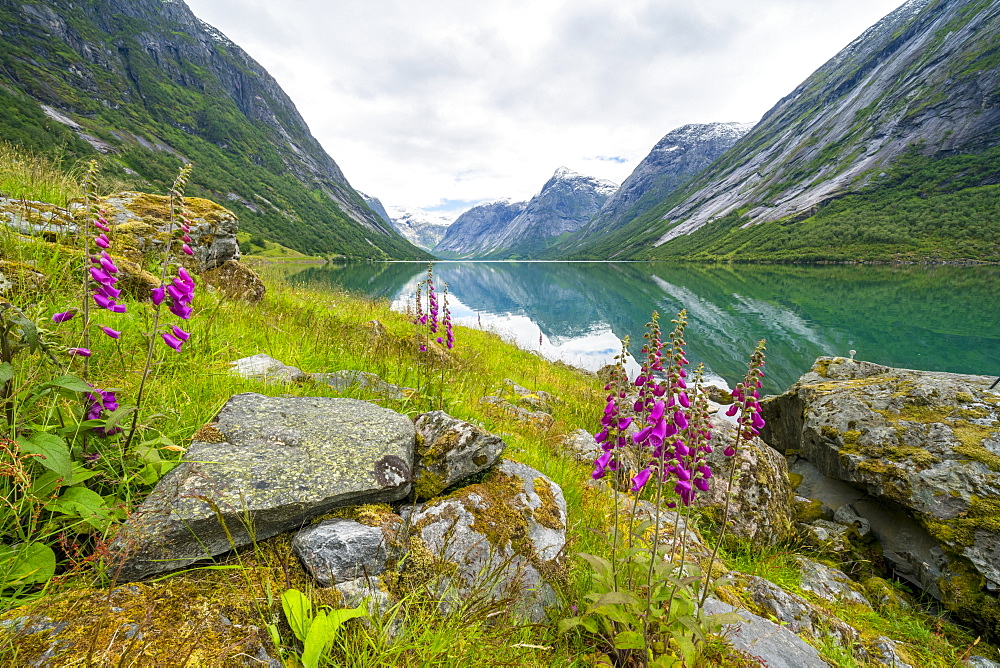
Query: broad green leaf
pixel 340 615
pixel 68 382
pixel 616 598
pixel 85 504
pixel 630 640
pixel 6 372
pixel 600 565
pixel 54 454
pixel 118 415
pixel 565 625
pixel 27 563
pixel 320 634
pixel 298 611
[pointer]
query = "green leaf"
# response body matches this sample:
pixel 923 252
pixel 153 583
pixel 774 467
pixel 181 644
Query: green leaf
pixel 319 635
pixel 118 415
pixel 54 454
pixel 566 625
pixel 6 372
pixel 339 616
pixel 68 382
pixel 630 640
pixel 298 611
pixel 600 565
pixel 27 563
pixel 85 504
pixel 617 598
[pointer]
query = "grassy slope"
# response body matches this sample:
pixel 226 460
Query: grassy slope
pixel 199 121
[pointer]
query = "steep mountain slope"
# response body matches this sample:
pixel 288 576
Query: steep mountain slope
pixel 480 223
pixel 375 204
pixel 421 228
pixel 565 203
pixel 888 151
pixel 676 158
pixel 149 85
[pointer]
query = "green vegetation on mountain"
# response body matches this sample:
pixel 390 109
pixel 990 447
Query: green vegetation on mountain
pixel 921 209
pixel 153 88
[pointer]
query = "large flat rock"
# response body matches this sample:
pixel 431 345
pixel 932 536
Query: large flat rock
pixel 273 464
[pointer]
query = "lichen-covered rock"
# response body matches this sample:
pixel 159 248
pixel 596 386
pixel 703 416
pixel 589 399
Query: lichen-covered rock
pixel 928 442
pixel 450 450
pixel 279 462
pixel 761 502
pixel 236 280
pixel 829 583
pixel 826 536
pixel 339 550
pixel 502 407
pixel 19 278
pixel 775 645
pixel 140 223
pixel 581 446
pixel 365 380
pixel 500 538
pixel 265 367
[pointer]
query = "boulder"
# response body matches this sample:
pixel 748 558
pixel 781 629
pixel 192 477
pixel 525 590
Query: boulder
pixel 503 408
pixel 761 502
pixel 776 646
pixel 499 539
pixel 450 450
pixel 140 221
pixel 826 536
pixel 338 550
pixel 346 379
pixel 927 443
pixel 581 446
pixel 236 280
pixel 275 464
pixel 829 583
pixel 265 367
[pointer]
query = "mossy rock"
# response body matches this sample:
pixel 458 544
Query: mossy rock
pixel 236 280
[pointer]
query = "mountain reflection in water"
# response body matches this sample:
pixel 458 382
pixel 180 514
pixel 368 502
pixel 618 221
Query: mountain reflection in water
pixel 941 318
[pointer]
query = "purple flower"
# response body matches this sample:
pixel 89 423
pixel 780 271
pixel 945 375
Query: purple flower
pixel 102 241
pixel 187 249
pixel 64 316
pixel 640 479
pixel 79 352
pixel 108 265
pixel 117 308
pixel 732 410
pixel 114 334
pixel 180 333
pixel 172 341
pixel 157 295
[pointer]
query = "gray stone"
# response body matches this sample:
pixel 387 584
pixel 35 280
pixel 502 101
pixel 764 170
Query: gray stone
pixel 796 613
pixel 775 645
pixel 976 661
pixel 503 407
pixel 279 462
pixel 343 380
pixel 761 507
pixel 826 536
pixel 581 446
pixel 885 652
pixel 497 535
pixel 829 583
pixel 450 450
pixel 265 367
pixel 848 516
pixel 831 492
pixel 362 589
pixel 338 550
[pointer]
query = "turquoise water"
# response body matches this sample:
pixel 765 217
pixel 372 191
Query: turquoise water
pixel 940 318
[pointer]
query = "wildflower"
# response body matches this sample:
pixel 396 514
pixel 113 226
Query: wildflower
pixel 171 341
pixel 79 352
pixel 113 333
pixel 64 316
pixel 180 333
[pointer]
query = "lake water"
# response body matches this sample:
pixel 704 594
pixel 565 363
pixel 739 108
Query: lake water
pixel 939 318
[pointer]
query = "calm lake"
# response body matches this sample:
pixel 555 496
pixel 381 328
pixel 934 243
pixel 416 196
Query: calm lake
pixel 939 318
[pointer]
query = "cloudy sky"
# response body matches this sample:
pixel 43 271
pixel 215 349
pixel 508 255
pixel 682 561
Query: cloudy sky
pixel 441 104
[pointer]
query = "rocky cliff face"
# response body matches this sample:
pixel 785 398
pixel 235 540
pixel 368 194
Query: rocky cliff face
pixel 482 222
pixel 926 75
pixel 149 82
pixel 566 202
pixel 375 204
pixel 423 229
pixel 675 159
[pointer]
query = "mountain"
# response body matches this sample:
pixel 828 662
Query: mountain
pixel 889 151
pixel 375 204
pixel 565 203
pixel 481 222
pixel 148 86
pixel 421 228
pixel 680 155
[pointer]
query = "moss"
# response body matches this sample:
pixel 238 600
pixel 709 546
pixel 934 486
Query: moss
pixel 428 484
pixel 924 414
pixel 795 479
pixel 209 433
pixel 963 592
pixel 970 437
pixel 964 397
pixel 851 436
pixel 822 366
pixel 547 514
pixel 983 514
pixel 809 512
pixel 418 568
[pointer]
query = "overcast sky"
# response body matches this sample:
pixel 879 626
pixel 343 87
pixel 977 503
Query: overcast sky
pixel 446 103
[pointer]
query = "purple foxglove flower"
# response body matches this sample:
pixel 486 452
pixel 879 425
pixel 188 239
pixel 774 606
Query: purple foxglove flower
pixel 680 420
pixel 682 473
pixel 701 484
pixel 757 421
pixel 640 479
pixel 180 333
pixel 79 352
pixel 100 276
pixel 102 241
pixel 641 435
pixel 683 400
pixel 729 452
pixel 113 333
pixel 670 429
pixel 102 220
pixel 657 412
pixel 624 423
pixel 659 430
pixel 731 411
pixel 640 381
pixel 704 471
pixel 108 266
pixel 64 316
pixel 680 382
pixel 187 249
pixel 157 295
pixel 103 301
pixel 171 341
pixel 680 449
pixel 181 311
pixel 659 390
pixel 639 405
pixel 600 464
pixel 185 277
pixel 101 226
pixel 186 238
pixel 682 373
pixel 175 293
pixel 117 308
pixel 108 291
pixel 601 436
pixel 423 349
pixel 440 339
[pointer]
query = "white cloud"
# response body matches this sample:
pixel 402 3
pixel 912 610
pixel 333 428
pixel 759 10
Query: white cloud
pixel 420 102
